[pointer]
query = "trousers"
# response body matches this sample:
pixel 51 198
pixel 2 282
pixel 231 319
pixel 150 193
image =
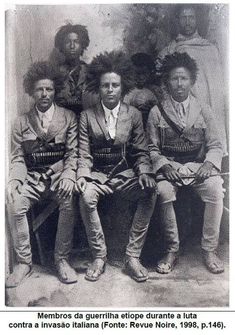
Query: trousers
pixel 129 189
pixel 211 193
pixel 31 194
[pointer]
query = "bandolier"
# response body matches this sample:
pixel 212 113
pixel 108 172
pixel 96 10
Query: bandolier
pixel 181 144
pixel 40 155
pixel 110 160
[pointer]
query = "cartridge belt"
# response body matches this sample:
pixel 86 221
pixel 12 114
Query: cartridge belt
pixel 107 156
pixel 43 158
pixel 109 159
pixel 182 148
pixel 182 152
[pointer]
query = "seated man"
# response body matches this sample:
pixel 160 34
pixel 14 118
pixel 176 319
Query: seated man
pixel 43 162
pixel 209 87
pixel 113 157
pixel 184 142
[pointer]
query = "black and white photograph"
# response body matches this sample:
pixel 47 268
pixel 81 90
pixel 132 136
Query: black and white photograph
pixel 117 156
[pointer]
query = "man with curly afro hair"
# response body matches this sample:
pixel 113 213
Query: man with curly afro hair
pixel 71 41
pixel 113 157
pixel 186 150
pixel 209 87
pixel 43 162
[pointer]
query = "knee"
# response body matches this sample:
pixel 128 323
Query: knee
pixel 66 204
pixel 20 206
pixel 89 198
pixel 214 191
pixel 166 192
pixel 147 197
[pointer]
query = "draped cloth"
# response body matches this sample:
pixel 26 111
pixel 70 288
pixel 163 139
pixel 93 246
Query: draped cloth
pixel 209 86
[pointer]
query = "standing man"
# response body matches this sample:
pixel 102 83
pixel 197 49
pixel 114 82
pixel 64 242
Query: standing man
pixel 209 87
pixel 43 163
pixel 113 157
pixel 184 142
pixel 71 41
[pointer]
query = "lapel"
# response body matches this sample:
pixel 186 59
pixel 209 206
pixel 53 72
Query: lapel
pixel 171 112
pixel 122 125
pixel 58 122
pixel 100 117
pixel 34 124
pixel 77 76
pixel 193 113
pixel 82 75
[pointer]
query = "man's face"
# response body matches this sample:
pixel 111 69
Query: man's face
pixel 187 21
pixel 72 46
pixel 43 94
pixel 110 89
pixel 179 83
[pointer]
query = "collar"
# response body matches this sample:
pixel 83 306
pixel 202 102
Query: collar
pixel 47 114
pixel 185 102
pixel 114 111
pixel 181 37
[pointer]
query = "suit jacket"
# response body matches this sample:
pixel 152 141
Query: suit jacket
pixel 209 86
pixel 200 117
pixel 129 131
pixel 27 130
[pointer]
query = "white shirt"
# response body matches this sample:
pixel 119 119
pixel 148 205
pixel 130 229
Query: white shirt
pixel 182 109
pixel 111 116
pixel 46 117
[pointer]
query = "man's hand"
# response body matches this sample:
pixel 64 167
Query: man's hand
pixel 106 190
pixel 171 173
pixel 65 188
pixel 204 171
pixel 14 189
pixel 80 185
pixel 47 175
pixel 147 181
